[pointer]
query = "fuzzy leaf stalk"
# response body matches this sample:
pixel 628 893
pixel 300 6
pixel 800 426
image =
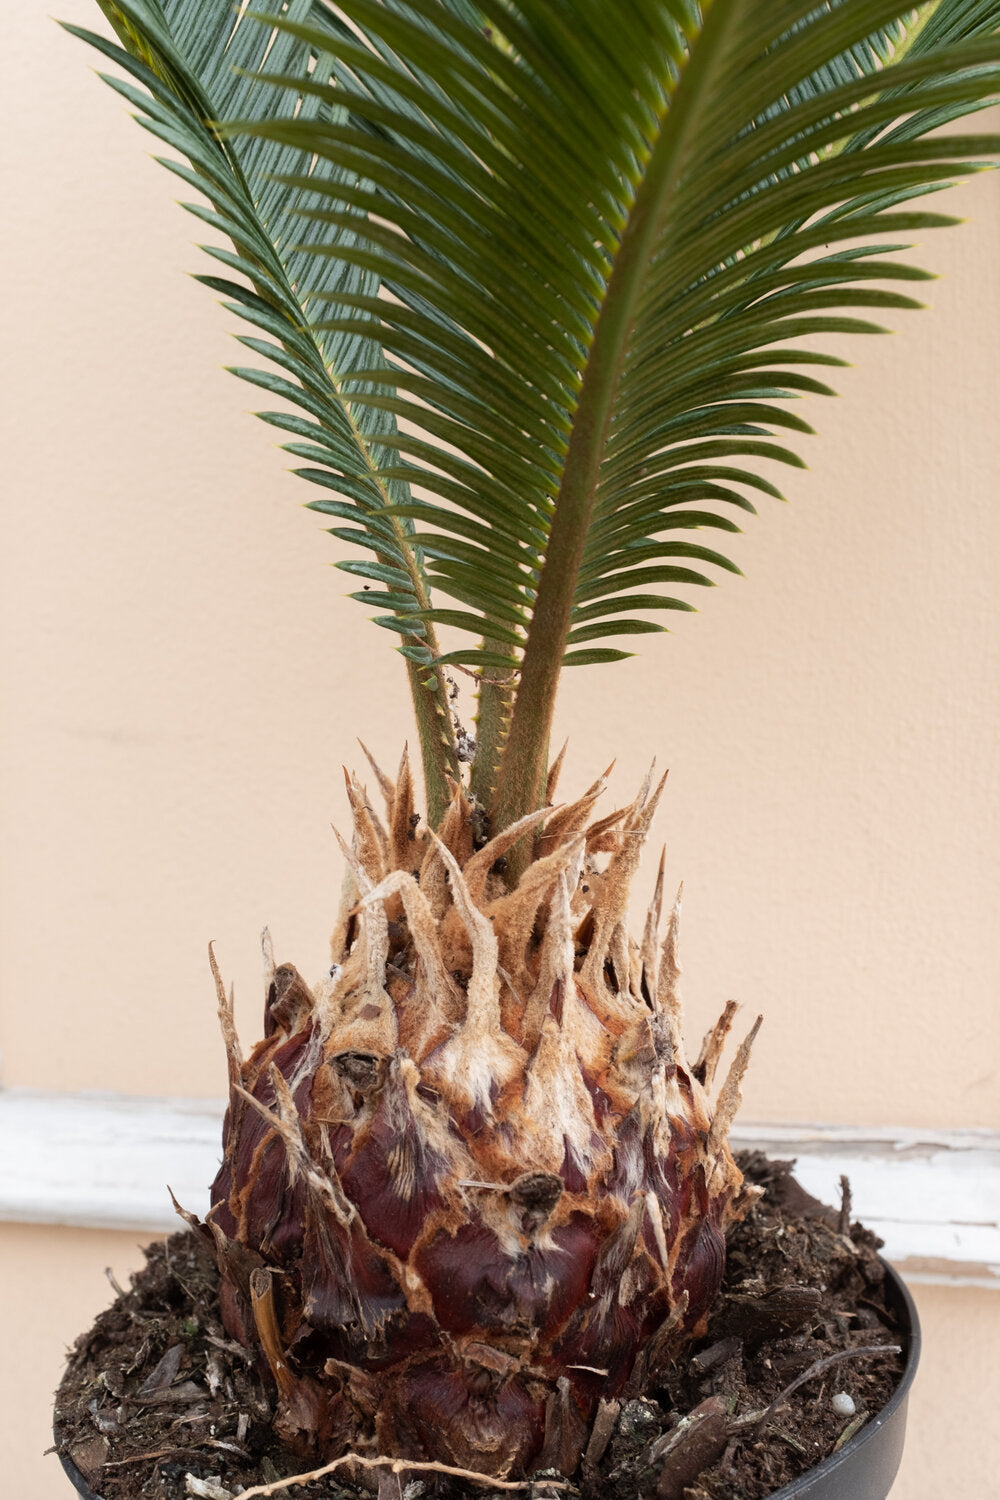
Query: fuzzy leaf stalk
pixel 471 1182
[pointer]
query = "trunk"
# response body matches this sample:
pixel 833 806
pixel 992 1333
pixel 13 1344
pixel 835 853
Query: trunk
pixel 471 1183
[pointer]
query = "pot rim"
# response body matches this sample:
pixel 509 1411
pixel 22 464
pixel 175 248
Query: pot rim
pixel 833 1461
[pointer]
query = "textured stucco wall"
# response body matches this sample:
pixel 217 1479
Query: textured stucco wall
pixel 182 681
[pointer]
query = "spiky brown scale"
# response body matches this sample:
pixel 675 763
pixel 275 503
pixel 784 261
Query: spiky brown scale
pixel 471 1185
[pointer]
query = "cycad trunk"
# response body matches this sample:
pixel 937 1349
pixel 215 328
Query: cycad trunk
pixel 471 1184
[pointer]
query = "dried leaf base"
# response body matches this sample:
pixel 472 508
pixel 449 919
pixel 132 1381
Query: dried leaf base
pixel 472 1185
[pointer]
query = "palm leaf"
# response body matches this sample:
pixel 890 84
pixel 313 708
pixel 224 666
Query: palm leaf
pixel 603 228
pixel 537 272
pixel 189 63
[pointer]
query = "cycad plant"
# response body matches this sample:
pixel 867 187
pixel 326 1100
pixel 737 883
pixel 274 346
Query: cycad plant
pixel 531 282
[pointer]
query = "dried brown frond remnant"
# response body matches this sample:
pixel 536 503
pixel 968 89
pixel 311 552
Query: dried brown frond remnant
pixel 471 1184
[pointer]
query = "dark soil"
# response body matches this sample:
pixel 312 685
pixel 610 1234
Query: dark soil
pixel 155 1392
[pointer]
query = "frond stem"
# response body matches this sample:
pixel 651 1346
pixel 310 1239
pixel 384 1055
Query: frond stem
pixel 522 767
pixel 496 694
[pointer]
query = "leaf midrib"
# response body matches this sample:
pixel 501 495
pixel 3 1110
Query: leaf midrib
pixel 522 765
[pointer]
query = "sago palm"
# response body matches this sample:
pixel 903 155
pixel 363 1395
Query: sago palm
pixel 536 284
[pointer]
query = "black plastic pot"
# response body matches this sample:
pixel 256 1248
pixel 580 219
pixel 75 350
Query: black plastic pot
pixel 864 1469
pixel 76 1478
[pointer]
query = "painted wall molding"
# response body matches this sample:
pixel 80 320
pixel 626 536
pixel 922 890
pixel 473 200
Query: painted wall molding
pixel 103 1161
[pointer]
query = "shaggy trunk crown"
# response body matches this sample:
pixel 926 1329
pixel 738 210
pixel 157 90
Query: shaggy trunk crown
pixel 471 1183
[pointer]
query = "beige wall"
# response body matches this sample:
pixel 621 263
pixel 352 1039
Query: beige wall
pixel 182 681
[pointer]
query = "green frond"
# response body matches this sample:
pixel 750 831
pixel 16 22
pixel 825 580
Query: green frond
pixel 188 65
pixel 555 260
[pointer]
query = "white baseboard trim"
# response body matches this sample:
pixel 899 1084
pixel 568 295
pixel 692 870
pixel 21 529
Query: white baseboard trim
pixel 932 1195
pixel 103 1161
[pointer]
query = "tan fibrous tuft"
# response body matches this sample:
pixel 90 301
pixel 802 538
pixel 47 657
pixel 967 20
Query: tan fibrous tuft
pixel 472 1188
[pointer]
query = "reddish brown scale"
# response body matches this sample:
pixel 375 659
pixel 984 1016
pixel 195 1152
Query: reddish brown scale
pixel 275 1210
pixel 348 1291
pixel 628 1170
pixel 289 1002
pixel 479 1291
pixel 601 1101
pixel 475 1157
pixel 466 1415
pixel 570 1170
pixel 391 1173
pixel 700 1265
